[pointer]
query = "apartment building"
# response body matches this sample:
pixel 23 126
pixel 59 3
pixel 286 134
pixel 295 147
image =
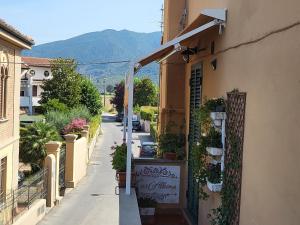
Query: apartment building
pixel 34 72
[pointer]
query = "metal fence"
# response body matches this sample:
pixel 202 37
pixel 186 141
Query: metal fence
pixel 12 205
pixel 62 164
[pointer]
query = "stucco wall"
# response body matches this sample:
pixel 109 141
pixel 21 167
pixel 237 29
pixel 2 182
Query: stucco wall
pixel 267 70
pixel 9 129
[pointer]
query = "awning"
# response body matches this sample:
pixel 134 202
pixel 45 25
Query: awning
pixel 208 18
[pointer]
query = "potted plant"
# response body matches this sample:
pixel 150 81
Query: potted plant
pixel 214 178
pixel 119 157
pixel 172 146
pixel 147 206
pixel 216 107
pixel 214 142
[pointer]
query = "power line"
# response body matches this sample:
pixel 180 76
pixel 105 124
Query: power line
pixel 70 63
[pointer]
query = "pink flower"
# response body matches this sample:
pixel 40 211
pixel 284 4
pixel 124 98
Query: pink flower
pixel 76 125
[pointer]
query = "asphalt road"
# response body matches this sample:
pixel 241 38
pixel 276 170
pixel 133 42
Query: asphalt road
pixel 94 200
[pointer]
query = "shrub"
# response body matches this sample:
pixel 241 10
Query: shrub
pixel 75 127
pixel 119 157
pixel 61 119
pixel 148 113
pixel 153 131
pixel 94 124
pixel 80 112
pixel 57 119
pixel 169 142
pixel 32 142
pixel 54 105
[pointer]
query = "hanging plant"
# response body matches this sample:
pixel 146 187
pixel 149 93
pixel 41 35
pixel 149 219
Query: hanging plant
pixel 209 137
pixel 224 213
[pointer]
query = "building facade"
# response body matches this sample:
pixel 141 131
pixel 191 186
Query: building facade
pixel 256 53
pixel 11 44
pixel 34 72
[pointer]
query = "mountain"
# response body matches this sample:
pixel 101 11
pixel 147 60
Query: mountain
pixel 103 46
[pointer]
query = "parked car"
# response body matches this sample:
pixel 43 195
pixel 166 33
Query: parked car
pixel 136 125
pixel 119 117
pixel 148 149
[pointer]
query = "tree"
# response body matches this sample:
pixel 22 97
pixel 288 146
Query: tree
pixel 118 99
pixel 145 93
pixel 90 96
pixel 65 84
pixel 32 142
pixel 109 88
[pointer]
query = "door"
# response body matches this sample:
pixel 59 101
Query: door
pixel 194 135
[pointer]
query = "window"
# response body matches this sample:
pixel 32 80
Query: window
pixel 46 73
pixel 22 93
pixel 3 85
pixel 3 179
pixel 34 90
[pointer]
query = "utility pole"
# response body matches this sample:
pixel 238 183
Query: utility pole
pixel 104 83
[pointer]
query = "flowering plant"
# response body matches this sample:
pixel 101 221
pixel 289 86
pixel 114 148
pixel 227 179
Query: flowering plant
pixel 76 126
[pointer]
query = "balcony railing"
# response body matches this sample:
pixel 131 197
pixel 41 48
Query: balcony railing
pixel 24 101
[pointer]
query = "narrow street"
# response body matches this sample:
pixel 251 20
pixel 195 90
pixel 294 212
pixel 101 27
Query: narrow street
pixel 94 200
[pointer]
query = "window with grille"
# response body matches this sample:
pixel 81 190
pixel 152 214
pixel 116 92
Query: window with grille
pixel 3 171
pixel 34 90
pixel 3 85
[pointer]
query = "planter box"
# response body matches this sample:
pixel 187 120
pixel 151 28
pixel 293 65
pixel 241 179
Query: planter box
pixel 147 211
pixel 170 156
pixel 214 151
pixel 214 187
pixel 121 178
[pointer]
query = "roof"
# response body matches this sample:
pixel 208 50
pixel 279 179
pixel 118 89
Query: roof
pixel 37 62
pixel 13 31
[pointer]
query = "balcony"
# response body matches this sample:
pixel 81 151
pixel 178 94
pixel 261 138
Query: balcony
pixel 24 101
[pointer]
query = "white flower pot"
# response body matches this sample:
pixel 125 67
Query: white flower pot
pixel 147 211
pixel 214 187
pixel 218 115
pixel 214 151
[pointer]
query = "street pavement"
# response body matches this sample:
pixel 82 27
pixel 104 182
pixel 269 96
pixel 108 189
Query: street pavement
pixel 94 200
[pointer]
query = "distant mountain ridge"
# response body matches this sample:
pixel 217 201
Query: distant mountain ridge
pixel 103 46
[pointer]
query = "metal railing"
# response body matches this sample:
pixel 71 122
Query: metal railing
pixel 62 165
pixel 13 204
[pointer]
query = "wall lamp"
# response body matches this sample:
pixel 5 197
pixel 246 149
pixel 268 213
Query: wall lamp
pixel 213 64
pixel 190 51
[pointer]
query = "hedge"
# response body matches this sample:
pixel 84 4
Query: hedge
pixel 94 124
pixel 153 131
pixel 148 113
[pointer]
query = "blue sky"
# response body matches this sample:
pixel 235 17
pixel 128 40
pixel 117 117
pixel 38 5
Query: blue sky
pixel 52 20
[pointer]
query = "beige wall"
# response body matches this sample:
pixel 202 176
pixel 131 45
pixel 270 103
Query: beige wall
pixel 76 159
pixel 9 128
pixel 268 71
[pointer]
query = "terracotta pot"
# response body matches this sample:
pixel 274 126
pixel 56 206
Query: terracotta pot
pixel 121 178
pixel 170 156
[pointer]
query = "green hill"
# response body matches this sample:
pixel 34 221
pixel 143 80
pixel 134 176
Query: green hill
pixel 103 46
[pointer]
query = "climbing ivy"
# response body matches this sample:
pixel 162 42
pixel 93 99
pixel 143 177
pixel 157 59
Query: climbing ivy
pixel 224 213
